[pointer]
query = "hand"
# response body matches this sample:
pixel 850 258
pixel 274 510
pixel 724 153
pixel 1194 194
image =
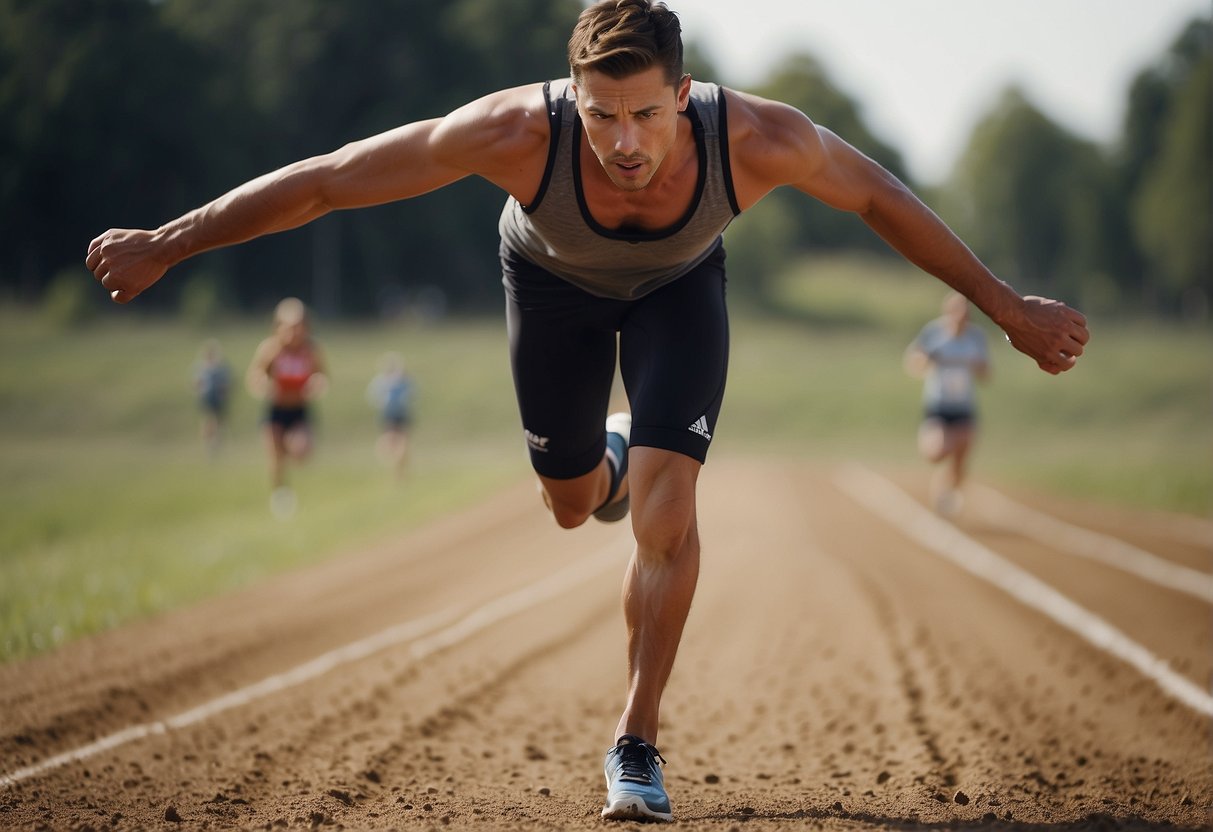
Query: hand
pixel 126 261
pixel 1050 332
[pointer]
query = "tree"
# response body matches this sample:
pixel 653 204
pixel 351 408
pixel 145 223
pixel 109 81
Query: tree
pixel 96 121
pixel 1033 201
pixel 788 223
pixel 1169 172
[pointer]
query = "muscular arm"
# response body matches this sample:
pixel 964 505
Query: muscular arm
pixel 773 144
pixel 501 137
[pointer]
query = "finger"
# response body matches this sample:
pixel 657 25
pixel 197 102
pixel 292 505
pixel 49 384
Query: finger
pixel 1074 347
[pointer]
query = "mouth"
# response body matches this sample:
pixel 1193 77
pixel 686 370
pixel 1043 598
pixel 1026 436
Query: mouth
pixel 628 166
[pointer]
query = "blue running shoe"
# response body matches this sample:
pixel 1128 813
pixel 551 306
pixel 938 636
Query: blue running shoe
pixel 619 431
pixel 635 786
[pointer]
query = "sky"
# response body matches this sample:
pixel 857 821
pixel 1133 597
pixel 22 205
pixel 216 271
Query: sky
pixel 925 71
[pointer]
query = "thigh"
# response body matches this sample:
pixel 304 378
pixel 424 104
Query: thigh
pixel 562 353
pixel 674 354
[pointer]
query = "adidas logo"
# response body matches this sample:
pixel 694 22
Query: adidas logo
pixel 701 427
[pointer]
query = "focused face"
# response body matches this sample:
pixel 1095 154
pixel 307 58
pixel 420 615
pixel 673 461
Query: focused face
pixel 631 123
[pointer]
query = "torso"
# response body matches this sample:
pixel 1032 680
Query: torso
pixel 613 242
pixel 289 371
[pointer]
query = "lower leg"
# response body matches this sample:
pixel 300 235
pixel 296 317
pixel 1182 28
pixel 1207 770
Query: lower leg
pixel 277 453
pixel 660 581
pixel 960 458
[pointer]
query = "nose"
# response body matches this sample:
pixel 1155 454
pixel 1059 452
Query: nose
pixel 627 140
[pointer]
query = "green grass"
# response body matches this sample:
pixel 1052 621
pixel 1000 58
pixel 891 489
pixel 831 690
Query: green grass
pixel 112 510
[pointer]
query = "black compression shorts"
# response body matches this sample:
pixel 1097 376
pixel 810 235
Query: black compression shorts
pixel 287 418
pixel 951 417
pixel 673 349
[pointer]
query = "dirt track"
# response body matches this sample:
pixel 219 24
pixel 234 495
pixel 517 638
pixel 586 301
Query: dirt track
pixel 835 674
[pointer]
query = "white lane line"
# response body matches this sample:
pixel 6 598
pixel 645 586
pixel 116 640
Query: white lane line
pixel 886 500
pixel 1098 547
pixel 430 634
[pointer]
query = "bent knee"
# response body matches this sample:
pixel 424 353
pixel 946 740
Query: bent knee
pixel 569 519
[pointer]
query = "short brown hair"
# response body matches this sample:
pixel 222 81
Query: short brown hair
pixel 623 37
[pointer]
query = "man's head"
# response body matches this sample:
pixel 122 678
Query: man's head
pixel 623 37
pixel 626 60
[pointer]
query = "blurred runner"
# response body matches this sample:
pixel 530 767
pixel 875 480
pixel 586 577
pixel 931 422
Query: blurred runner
pixel 212 383
pixel 287 372
pixel 391 393
pixel 950 355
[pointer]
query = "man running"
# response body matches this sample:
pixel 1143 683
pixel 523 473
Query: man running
pixel 620 181
pixel 950 355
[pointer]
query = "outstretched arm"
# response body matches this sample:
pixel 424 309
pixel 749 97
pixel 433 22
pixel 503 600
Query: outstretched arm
pixel 496 137
pixel 774 144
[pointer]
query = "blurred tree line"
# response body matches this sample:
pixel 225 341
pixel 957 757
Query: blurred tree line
pixel 130 112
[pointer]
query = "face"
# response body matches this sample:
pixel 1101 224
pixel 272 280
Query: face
pixel 293 333
pixel 956 310
pixel 631 123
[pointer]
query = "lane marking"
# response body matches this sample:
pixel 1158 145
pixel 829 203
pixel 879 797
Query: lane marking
pixel 1098 547
pixel 883 498
pixel 429 634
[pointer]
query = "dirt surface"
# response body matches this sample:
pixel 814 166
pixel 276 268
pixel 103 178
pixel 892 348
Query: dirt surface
pixel 835 674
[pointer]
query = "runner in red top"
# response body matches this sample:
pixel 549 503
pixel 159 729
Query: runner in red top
pixel 287 371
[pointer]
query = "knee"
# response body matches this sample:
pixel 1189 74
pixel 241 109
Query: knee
pixel 569 518
pixel 568 514
pixel 667 532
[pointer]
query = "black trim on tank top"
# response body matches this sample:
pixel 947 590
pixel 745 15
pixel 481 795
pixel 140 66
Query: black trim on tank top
pixel 643 236
pixel 727 169
pixel 555 114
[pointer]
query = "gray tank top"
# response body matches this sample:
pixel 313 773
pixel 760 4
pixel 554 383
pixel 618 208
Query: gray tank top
pixel 557 233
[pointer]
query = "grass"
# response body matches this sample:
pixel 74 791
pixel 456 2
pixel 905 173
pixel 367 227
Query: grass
pixel 113 511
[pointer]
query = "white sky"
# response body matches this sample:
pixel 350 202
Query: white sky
pixel 925 71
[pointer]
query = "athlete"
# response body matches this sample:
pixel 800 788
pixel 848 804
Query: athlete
pixel 391 393
pixel 951 356
pixel 620 180
pixel 212 383
pixel 287 372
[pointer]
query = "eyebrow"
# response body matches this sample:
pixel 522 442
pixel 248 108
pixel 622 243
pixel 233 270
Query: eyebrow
pixel 648 108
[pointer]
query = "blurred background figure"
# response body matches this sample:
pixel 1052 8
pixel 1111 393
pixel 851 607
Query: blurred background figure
pixel 951 356
pixel 391 393
pixel 212 383
pixel 288 373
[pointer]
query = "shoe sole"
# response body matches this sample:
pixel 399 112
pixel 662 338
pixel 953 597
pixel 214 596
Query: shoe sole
pixel 614 512
pixel 633 808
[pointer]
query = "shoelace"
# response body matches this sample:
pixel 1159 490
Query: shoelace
pixel 636 761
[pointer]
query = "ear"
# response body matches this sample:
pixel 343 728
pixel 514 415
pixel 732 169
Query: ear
pixel 684 92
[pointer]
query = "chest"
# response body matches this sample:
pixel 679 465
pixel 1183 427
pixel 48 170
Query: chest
pixel 292 365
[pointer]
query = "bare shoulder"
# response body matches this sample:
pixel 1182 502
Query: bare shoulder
pixel 770 144
pixel 496 134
